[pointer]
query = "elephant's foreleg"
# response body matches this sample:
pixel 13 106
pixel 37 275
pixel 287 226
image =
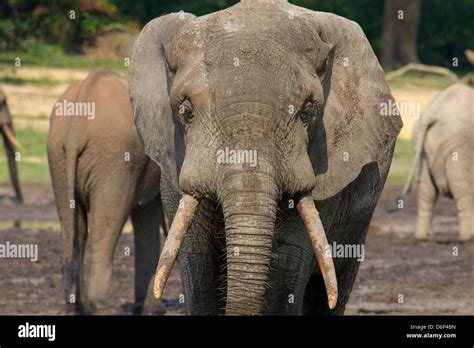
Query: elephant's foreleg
pixel 290 268
pixel 201 258
pixel 427 195
pixel 348 226
pixel 146 225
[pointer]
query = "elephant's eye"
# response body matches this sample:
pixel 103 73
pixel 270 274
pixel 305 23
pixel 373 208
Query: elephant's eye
pixel 309 112
pixel 186 111
pixel 305 114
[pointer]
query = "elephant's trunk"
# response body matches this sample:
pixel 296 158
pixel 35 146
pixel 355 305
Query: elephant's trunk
pixel 249 206
pixel 10 144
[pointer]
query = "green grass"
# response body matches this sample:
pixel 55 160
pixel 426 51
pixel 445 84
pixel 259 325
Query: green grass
pixel 421 80
pixel 59 60
pixel 34 144
pixel 30 118
pixel 33 141
pixel 401 162
pixel 21 81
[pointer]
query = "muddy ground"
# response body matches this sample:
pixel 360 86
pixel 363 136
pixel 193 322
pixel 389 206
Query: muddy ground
pixel 398 276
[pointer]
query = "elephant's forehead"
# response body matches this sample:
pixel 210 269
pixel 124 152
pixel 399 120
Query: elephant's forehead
pixel 265 36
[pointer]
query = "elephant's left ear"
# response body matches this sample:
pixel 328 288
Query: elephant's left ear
pixel 360 122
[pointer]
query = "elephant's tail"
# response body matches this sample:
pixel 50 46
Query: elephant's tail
pixel 415 169
pixel 71 239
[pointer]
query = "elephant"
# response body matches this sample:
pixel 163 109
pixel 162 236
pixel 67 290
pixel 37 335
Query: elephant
pixel 11 144
pixel 101 176
pixel 443 161
pixel 265 119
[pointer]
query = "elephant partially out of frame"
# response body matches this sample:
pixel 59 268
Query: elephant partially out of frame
pixel 265 119
pixel 11 144
pixel 444 161
pixel 101 176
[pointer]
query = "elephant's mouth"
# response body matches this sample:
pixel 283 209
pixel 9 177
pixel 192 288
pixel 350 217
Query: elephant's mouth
pixel 311 220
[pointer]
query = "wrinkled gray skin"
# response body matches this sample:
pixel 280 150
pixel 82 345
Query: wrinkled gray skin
pixel 6 121
pixel 231 79
pixel 444 148
pixel 99 163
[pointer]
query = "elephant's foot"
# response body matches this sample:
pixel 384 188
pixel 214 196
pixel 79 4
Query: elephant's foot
pixel 466 237
pixel 75 309
pixel 131 309
pixel 153 308
pixel 423 234
pixel 97 308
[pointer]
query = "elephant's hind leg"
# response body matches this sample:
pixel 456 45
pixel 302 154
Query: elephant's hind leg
pixel 79 263
pixel 74 246
pixel 109 211
pixel 462 190
pixel 427 195
pixel 146 225
pixel 465 207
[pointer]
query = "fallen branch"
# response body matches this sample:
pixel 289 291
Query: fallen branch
pixel 422 68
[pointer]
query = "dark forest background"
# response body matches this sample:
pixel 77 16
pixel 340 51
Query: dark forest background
pixel 432 31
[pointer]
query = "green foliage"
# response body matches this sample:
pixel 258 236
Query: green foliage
pixel 446 30
pixel 21 81
pixel 60 60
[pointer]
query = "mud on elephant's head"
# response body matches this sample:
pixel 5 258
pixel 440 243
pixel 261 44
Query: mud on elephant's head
pixel 258 103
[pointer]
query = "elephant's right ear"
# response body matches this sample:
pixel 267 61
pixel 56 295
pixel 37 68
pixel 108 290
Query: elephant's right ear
pixel 149 85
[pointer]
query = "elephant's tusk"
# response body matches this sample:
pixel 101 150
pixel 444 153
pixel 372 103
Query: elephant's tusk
pixel 317 236
pixel 8 132
pixel 179 227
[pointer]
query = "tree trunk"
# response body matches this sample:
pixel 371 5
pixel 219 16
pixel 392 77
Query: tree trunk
pixel 399 33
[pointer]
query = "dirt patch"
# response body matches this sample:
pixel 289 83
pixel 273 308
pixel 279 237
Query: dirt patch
pixel 401 275
pixel 428 275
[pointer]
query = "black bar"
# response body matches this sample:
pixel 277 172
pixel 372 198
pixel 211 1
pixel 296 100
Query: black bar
pixel 258 330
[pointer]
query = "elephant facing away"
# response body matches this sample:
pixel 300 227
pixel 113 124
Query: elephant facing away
pixel 11 144
pixel 100 176
pixel 444 160
pixel 265 119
